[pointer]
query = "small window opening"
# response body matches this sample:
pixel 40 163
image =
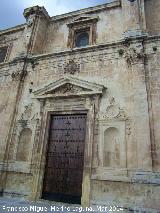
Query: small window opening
pixel 82 39
pixel 3 53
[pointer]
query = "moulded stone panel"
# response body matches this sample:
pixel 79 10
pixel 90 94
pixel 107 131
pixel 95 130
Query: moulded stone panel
pixel 24 145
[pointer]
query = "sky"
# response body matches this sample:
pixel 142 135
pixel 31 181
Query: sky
pixel 11 11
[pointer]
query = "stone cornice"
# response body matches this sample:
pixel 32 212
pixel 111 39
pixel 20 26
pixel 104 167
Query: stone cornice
pixel 92 48
pixel 13 62
pixel 152 38
pixel 13 29
pixel 79 50
pixel 110 5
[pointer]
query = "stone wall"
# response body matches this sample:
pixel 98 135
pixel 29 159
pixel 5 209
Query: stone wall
pixel 152 16
pixel 14 39
pixel 109 28
pixel 153 85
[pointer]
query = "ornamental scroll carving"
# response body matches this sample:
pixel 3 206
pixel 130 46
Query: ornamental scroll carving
pixel 68 89
pixel 134 55
pixel 113 111
pixel 28 116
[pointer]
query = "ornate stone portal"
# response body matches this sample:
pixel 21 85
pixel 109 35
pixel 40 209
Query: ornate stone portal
pixel 82 97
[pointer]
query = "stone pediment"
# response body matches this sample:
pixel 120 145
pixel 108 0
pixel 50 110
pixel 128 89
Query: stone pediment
pixel 83 18
pixel 68 86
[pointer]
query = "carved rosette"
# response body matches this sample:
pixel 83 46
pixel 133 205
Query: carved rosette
pixel 71 67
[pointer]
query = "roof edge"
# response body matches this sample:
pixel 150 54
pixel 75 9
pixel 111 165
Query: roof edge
pixel 113 3
pixel 12 29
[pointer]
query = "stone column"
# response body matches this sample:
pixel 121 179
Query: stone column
pixel 134 18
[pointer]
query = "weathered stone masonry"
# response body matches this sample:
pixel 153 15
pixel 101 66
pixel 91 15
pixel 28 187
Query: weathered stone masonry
pixel 115 79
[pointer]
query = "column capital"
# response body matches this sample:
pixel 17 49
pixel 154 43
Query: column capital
pixel 35 10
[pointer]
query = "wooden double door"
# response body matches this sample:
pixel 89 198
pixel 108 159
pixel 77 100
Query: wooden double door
pixel 65 158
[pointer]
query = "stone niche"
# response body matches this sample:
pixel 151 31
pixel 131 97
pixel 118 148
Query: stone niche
pixel 111 148
pixel 112 142
pixel 23 140
pixel 24 134
pixel 112 152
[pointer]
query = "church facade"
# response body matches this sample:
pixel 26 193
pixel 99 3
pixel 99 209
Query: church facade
pixel 80 106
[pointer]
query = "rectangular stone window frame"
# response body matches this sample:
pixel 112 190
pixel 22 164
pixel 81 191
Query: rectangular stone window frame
pixel 82 27
pixel 8 47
